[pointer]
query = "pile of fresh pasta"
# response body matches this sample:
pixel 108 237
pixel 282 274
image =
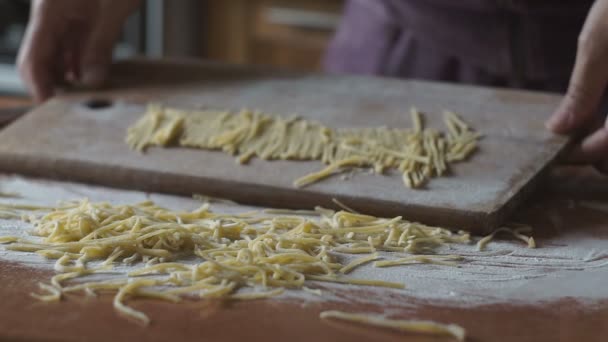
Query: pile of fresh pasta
pixel 418 153
pixel 204 254
pixel 243 256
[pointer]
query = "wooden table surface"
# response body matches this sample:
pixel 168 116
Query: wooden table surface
pixel 13 101
pixel 11 107
pixel 79 318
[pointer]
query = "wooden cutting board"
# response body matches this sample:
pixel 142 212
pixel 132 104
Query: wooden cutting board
pixel 72 138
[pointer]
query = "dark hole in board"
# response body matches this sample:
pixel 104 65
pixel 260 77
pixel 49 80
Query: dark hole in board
pixel 98 103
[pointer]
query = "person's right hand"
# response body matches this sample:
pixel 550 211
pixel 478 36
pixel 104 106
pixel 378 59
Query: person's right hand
pixel 577 113
pixel 70 41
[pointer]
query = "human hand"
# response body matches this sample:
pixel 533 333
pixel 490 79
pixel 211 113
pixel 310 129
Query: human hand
pixel 577 111
pixel 70 41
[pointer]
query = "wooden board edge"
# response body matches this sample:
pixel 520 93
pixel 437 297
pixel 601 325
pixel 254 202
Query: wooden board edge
pixel 243 193
pixel 524 190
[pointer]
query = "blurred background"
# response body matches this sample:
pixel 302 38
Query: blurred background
pixel 289 34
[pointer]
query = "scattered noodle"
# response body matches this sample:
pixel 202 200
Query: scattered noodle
pixel 444 260
pixel 329 170
pixel 242 256
pixel 258 295
pixel 210 199
pixel 344 206
pixel 418 153
pixel 123 292
pixel 516 232
pixel 235 255
pixel 358 262
pixel 352 281
pixel 410 326
pixel 416 120
pixel 8 239
pixel 290 212
pixel 53 293
pixel 317 292
pixel 10 194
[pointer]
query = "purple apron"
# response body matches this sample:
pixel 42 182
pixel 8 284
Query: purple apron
pixel 525 44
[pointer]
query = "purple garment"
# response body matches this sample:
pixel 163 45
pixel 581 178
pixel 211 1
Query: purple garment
pixel 525 44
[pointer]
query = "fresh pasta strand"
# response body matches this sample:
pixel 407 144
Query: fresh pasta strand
pixel 260 253
pixel 352 281
pixel 10 194
pixel 410 326
pixel 419 153
pixel 444 260
pixel 358 262
pixel 329 170
pixel 343 206
pixel 316 292
pixel 516 232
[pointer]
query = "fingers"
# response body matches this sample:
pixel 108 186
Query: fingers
pixel 36 55
pixel 585 90
pixel 65 37
pixel 576 113
pixel 589 77
pixel 48 45
pixel 96 54
pixel 593 148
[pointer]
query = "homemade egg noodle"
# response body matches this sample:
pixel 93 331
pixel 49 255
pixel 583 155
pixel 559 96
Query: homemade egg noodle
pixel 242 256
pixel 418 153
pixel 412 326
pixel 204 254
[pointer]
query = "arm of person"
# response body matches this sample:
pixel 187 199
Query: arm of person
pixel 70 41
pixel 576 115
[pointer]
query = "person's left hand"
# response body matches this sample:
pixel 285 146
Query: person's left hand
pixel 70 41
pixel 576 114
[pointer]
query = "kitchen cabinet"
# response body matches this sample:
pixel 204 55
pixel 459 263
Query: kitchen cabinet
pixel 291 34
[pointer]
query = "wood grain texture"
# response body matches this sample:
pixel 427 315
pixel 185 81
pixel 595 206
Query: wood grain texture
pixel 66 140
pixel 78 318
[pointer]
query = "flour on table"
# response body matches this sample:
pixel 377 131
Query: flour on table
pixel 573 264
